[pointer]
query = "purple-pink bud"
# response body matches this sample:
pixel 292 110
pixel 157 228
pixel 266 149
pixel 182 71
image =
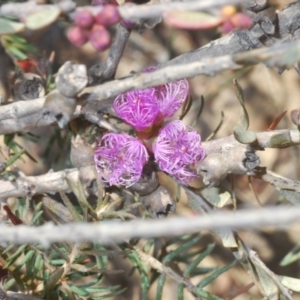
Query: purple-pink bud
pixel 100 38
pixel 176 151
pixel 241 21
pixel 108 16
pixel 84 19
pixel 77 36
pixel 227 26
pixel 120 159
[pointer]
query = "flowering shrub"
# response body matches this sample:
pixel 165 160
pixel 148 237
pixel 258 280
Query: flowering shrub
pixel 120 158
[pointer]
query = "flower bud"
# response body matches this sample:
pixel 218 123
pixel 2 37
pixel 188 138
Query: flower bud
pixel 84 19
pixel 100 38
pixel 108 16
pixel 227 26
pixel 104 2
pixel 241 21
pixel 77 36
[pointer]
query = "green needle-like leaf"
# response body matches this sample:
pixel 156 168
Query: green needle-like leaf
pixel 169 257
pixel 180 289
pixel 216 274
pixel 53 279
pixel 160 285
pixel 25 259
pixel 195 262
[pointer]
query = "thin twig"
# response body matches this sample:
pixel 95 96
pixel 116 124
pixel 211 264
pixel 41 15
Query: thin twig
pixel 279 182
pixel 267 139
pixel 108 232
pixel 20 109
pixel 130 12
pixel 51 182
pixel 110 66
pixel 175 71
pixel 161 268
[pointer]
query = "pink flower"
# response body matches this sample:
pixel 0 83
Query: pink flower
pixel 120 159
pixel 170 96
pixel 144 108
pixel 177 149
pixel 138 108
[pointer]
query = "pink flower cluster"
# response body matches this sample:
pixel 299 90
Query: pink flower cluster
pixel 120 158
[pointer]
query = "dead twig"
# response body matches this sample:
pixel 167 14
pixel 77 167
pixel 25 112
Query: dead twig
pixel 109 232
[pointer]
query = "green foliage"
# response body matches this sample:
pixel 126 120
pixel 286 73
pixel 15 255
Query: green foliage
pixel 77 270
pixel 17 46
pixel 61 269
pixel 16 152
pixel 192 259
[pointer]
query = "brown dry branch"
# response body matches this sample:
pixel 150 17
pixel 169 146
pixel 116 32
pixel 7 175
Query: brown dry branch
pixel 130 12
pixel 147 11
pixel 228 156
pixel 109 232
pixel 26 117
pixel 51 182
pixel 107 71
pixel 279 182
pixel 21 10
pixel 21 109
pixel 275 56
pixel 268 139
